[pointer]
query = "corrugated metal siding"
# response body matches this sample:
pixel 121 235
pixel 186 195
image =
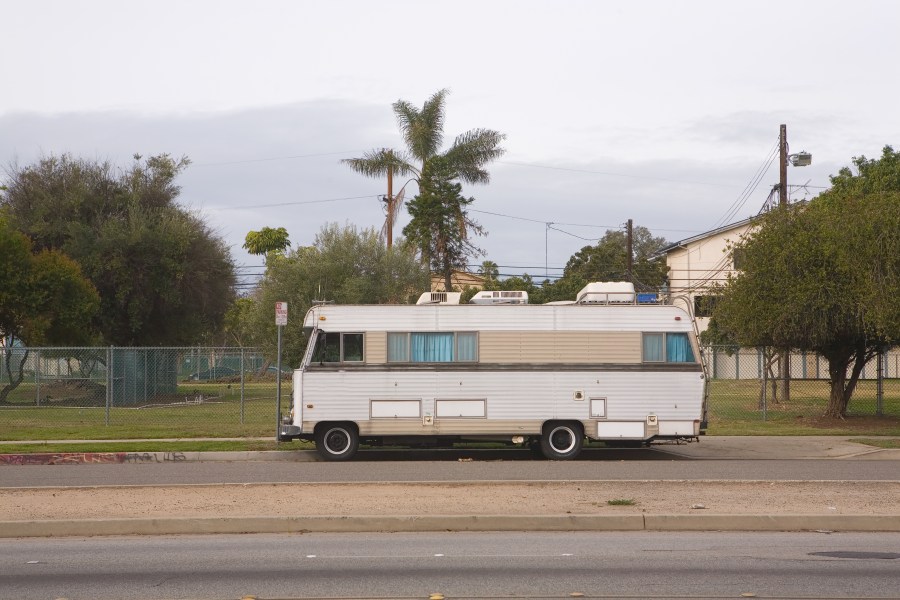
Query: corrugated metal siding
pixel 572 347
pixel 511 396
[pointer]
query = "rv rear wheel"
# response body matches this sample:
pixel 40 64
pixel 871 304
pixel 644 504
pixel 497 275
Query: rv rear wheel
pixel 562 441
pixel 337 441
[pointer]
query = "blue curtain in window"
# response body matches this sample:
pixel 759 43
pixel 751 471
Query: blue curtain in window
pixel 678 348
pixel 431 347
pixel 653 347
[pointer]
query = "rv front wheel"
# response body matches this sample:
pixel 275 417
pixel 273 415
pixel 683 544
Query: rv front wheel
pixel 562 441
pixel 337 441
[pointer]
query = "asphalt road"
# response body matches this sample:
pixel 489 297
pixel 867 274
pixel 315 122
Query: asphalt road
pixel 456 565
pixel 456 465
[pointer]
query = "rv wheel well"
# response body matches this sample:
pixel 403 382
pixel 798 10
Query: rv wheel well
pixel 323 424
pixel 577 425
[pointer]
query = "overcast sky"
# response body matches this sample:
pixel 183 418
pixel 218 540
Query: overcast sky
pixel 659 111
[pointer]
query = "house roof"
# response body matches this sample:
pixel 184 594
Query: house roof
pixel 702 236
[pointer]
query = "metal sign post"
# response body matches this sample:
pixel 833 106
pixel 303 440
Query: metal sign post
pixel 281 312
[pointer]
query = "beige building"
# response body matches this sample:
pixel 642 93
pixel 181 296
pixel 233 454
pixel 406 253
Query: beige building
pixel 697 263
pixel 460 280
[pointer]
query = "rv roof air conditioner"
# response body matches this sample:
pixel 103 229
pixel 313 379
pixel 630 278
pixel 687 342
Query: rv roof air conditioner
pixel 439 298
pixel 500 297
pixel 606 292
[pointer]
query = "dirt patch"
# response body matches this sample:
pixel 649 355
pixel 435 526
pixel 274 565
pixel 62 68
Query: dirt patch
pixel 78 392
pixel 544 498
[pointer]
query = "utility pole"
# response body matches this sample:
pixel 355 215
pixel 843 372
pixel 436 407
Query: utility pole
pixel 782 202
pixel 390 202
pixel 782 166
pixel 629 252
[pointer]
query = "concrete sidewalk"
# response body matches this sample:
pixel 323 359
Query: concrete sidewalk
pixel 887 518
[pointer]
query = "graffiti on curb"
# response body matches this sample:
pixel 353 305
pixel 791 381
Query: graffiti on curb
pixel 154 457
pixel 81 458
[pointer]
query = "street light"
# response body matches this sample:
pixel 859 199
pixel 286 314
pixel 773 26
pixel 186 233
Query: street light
pixel 801 159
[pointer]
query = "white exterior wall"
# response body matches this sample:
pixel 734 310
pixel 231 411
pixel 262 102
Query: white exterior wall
pixel 702 262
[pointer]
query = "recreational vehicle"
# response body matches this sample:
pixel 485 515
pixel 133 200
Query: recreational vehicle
pixel 607 366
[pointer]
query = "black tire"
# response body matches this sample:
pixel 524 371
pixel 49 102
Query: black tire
pixel 562 441
pixel 337 441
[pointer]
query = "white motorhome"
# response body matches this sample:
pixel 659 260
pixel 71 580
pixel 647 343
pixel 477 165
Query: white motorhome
pixel 603 367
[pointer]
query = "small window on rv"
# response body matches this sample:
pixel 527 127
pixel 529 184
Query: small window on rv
pixel 667 347
pixel 467 347
pixel 338 347
pixel 398 347
pixel 352 347
pixel 654 347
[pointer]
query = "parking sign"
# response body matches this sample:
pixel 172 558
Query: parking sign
pixel 281 313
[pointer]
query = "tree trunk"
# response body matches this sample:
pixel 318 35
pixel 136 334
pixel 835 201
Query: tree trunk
pixel 841 387
pixel 13 383
pixel 448 281
pixel 837 402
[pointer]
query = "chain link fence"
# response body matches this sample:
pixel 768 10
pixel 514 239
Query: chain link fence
pixel 107 393
pixel 46 393
pixel 747 384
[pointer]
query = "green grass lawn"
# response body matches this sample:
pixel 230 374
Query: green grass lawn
pixel 733 410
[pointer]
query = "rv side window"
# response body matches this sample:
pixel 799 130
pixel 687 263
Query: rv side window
pixel 667 347
pixel 398 347
pixel 467 347
pixel 338 347
pixel 353 347
pixel 432 347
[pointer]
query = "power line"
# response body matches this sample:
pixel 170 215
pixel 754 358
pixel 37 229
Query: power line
pixel 299 202
pixel 749 188
pixel 536 166
pixel 256 160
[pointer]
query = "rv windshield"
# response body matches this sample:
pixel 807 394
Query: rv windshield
pixel 328 348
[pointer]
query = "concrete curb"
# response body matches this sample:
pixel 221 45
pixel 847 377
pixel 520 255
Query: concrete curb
pixel 81 458
pixel 396 524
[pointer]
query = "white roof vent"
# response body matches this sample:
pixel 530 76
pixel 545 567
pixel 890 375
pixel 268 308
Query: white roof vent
pixel 500 297
pixel 606 292
pixel 439 298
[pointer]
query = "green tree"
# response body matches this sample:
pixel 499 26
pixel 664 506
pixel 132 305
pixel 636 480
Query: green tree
pixel 825 277
pixel 44 300
pixel 423 134
pixel 344 265
pixel 607 260
pixel 440 225
pixel 489 270
pixel 164 278
pixel 267 242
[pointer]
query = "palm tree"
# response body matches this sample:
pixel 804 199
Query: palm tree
pixel 489 270
pixel 423 133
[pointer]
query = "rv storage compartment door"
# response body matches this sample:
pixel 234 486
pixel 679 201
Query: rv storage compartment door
pixel 615 430
pixel 475 409
pixel 395 409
